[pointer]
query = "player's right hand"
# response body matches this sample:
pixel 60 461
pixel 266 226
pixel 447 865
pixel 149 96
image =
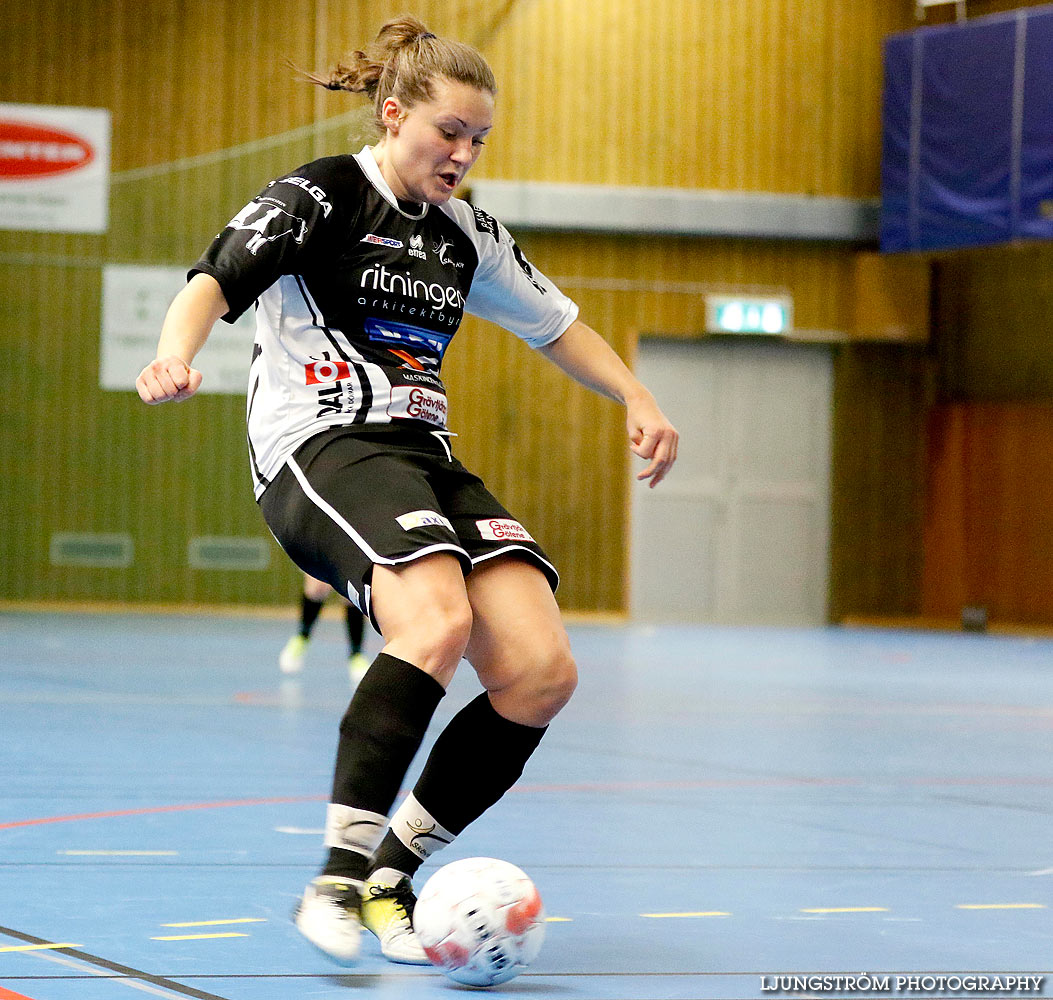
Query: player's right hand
pixel 167 380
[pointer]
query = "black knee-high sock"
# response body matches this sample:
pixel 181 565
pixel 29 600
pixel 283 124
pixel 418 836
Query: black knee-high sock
pixel 309 611
pixel 475 760
pixel 379 735
pixel 355 626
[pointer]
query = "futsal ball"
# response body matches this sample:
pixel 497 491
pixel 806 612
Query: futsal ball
pixel 480 921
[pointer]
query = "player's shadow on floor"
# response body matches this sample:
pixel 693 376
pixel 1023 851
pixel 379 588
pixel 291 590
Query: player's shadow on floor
pixel 521 986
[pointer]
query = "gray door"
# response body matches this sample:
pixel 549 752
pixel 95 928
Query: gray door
pixel 739 532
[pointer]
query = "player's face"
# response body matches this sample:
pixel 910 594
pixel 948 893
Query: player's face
pixel 432 146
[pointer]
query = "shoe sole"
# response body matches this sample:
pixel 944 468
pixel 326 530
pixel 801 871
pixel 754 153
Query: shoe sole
pixel 423 960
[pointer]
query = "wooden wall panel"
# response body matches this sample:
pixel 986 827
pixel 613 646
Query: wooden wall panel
pixel 755 95
pixel 777 95
pixel 892 298
pixel 992 323
pixel 989 512
pixel 882 395
pixel 181 81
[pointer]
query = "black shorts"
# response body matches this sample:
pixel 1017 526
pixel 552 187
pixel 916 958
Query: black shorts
pixel 349 500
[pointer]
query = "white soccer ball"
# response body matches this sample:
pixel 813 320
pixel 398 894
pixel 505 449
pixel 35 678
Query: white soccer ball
pixel 480 920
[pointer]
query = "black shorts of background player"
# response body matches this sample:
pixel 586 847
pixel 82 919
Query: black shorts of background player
pixel 434 100
pixel 312 598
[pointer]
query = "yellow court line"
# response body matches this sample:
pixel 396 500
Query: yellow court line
pixel 702 913
pixel 847 909
pixel 1001 906
pixel 557 920
pixel 213 923
pixel 38 947
pixel 197 937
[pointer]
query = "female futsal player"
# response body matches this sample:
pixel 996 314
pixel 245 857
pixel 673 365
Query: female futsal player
pixel 361 267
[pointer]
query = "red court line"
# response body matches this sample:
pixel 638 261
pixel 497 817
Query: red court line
pixel 188 807
pixel 597 786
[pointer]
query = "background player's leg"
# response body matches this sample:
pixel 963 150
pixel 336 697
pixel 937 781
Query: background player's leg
pixel 357 664
pixel 314 595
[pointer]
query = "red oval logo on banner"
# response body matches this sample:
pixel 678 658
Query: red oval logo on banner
pixel 29 150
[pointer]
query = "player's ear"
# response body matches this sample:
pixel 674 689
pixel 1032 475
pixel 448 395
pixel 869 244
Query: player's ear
pixel 392 114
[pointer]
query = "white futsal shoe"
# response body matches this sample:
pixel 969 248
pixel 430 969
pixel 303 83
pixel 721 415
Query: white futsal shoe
pixel 329 916
pixel 290 659
pixel 387 910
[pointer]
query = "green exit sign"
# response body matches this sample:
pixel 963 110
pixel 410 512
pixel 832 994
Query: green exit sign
pixel 749 314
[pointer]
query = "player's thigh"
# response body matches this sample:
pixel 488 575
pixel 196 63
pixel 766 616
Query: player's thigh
pixel 315 590
pixel 343 504
pixel 422 610
pixel 518 645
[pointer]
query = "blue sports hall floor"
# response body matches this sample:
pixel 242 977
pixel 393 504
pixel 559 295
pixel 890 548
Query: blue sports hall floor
pixel 720 812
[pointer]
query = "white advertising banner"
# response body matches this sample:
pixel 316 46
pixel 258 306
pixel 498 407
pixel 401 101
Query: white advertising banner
pixel 54 168
pixel 134 302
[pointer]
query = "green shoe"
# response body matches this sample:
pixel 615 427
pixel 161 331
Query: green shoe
pixel 357 667
pixel 290 659
pixel 387 911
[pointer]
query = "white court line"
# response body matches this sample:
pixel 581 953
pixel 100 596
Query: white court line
pixel 135 984
pixel 1044 871
pixel 215 923
pixel 39 947
pixel 197 937
pixel 122 854
pixel 1000 906
pixel 298 829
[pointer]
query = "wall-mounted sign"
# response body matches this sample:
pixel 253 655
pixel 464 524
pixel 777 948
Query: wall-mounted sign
pixel 771 315
pixel 134 302
pixel 54 168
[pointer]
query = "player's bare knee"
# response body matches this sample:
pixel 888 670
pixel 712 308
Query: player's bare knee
pixel 552 681
pixel 456 629
pixel 441 632
pixel 564 681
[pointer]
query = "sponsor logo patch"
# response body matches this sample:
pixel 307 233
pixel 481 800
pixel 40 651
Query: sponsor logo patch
pixel 319 372
pixel 442 250
pixel 312 189
pixel 527 269
pixel 416 832
pixel 416 247
pixel 417 403
pixel 408 338
pixel 438 296
pixel 502 529
pixel 274 224
pixel 486 223
pixel 382 241
pixel 423 519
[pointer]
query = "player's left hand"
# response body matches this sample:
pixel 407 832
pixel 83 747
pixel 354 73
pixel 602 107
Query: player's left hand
pixel 651 436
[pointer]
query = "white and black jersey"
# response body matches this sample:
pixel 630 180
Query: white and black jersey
pixel 358 296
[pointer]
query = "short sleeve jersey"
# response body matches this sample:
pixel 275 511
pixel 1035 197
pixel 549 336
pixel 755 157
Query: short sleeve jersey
pixel 357 297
